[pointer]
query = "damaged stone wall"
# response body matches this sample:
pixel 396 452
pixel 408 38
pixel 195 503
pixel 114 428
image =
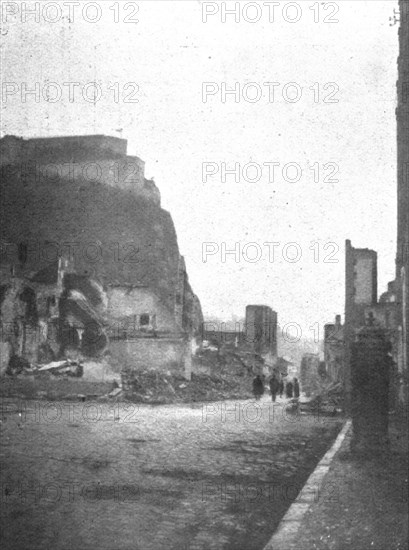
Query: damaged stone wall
pixel 126 305
pixel 169 354
pixel 261 329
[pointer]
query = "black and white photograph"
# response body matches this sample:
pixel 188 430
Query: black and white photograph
pixel 204 260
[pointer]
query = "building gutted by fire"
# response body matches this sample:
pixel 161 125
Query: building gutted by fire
pixel 89 259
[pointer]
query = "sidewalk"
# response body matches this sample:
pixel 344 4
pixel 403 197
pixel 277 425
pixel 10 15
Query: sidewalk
pixel 352 503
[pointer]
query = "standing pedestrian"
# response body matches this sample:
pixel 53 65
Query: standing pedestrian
pixel 296 388
pixel 289 389
pixel 281 387
pixel 258 387
pixel 274 387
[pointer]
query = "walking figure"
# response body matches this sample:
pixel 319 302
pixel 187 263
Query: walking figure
pixel 274 387
pixel 258 387
pixel 289 389
pixel 296 388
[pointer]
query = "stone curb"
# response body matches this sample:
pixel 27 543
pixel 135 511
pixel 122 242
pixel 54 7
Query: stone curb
pixel 285 536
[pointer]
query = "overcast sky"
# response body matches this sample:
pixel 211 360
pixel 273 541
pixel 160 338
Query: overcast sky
pixel 169 54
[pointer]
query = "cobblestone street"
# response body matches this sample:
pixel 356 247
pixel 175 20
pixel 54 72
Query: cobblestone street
pixel 123 476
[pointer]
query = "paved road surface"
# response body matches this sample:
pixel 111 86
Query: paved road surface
pixel 128 477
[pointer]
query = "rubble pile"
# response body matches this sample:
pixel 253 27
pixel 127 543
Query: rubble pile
pixel 327 400
pixel 153 387
pixel 216 376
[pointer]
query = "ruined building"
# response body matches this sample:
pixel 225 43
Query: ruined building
pixel 254 341
pixel 310 373
pixel 261 331
pixel 391 312
pixel 361 293
pixel 89 259
pixel 361 287
pixel 334 349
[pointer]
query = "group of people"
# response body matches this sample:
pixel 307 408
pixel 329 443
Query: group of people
pixel 277 387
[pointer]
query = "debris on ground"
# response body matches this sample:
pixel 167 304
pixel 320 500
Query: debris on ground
pixel 328 401
pixel 66 366
pixel 115 392
pixel 19 365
